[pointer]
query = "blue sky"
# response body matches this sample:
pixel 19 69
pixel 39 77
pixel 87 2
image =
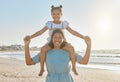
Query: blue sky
pixel 100 19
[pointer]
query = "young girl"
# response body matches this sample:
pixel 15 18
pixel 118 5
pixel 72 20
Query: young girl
pixel 56 13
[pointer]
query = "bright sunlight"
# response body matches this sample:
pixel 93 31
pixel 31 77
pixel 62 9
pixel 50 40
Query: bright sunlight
pixel 104 25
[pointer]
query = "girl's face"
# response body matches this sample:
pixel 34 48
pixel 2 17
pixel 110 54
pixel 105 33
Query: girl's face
pixel 56 15
pixel 57 40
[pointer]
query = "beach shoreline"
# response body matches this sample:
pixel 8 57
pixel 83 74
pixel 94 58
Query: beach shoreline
pixel 13 70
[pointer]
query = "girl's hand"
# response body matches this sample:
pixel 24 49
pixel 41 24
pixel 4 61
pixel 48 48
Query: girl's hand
pixel 27 40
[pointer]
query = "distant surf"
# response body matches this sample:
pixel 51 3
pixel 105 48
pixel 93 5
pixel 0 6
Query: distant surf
pixel 101 61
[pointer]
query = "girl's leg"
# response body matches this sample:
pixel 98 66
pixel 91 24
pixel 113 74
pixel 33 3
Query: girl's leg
pixel 70 49
pixel 43 51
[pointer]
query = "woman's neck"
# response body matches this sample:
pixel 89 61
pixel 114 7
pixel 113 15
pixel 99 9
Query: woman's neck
pixel 57 48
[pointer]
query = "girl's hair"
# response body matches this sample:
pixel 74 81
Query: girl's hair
pixel 51 41
pixel 57 7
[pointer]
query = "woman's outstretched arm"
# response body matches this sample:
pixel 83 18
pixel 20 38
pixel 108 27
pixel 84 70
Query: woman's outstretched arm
pixel 85 59
pixel 28 58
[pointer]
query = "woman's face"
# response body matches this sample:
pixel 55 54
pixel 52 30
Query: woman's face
pixel 56 15
pixel 57 40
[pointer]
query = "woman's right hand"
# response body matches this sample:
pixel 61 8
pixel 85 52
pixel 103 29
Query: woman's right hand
pixel 27 40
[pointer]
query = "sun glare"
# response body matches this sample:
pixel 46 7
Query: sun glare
pixel 104 25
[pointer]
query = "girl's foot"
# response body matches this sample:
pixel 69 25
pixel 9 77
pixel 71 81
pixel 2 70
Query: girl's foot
pixel 75 72
pixel 41 72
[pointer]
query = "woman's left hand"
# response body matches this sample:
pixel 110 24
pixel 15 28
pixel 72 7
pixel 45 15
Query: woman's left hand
pixel 87 40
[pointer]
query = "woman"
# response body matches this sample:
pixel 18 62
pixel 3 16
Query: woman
pixel 57 59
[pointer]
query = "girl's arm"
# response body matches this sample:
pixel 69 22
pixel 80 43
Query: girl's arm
pixel 39 32
pixel 75 33
pixel 85 59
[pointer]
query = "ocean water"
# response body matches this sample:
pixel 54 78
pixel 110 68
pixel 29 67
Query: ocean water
pixel 101 61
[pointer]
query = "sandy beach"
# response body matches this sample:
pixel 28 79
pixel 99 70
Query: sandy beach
pixel 12 70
